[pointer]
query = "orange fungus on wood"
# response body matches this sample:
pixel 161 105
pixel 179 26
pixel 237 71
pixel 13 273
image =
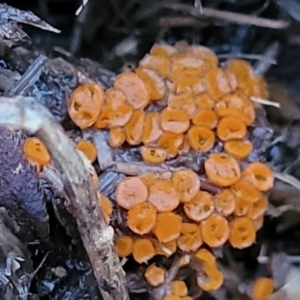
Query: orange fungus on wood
pixel 168 227
pixel 143 250
pixel 242 232
pixel 35 150
pixel 134 89
pixel 200 207
pixel 186 183
pixel 215 230
pixel 130 192
pixel 154 275
pixel 141 218
pixel 88 148
pixel 163 196
pixel 222 169
pixel 85 104
pixel 200 138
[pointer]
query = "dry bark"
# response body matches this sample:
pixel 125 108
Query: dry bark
pixel 27 114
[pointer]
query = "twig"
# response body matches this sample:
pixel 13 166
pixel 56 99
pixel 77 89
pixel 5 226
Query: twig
pixel 294 259
pixel 31 75
pixel 264 64
pixel 104 152
pixel 265 102
pixel 28 114
pixel 246 56
pixel 228 16
pixel 180 22
pixel 288 179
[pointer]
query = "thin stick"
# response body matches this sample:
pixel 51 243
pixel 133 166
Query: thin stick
pixel 228 16
pixel 28 114
pixel 246 56
pixel 265 102
pixel 288 179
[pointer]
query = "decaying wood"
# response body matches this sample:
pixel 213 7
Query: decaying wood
pixel 27 114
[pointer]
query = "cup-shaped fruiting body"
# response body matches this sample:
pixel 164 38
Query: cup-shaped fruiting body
pixel 206 117
pixel 189 85
pixel 124 245
pixel 200 207
pixel 130 192
pixel 134 89
pixel 88 148
pixel 231 128
pixel 222 169
pixel 242 207
pixel 216 83
pixel 207 55
pixel 212 278
pixel 179 288
pixel 141 218
pixel 154 275
pixel 35 151
pixel 163 49
pixel 243 73
pixel 225 202
pixel 258 208
pixel 174 120
pixel 182 102
pixel 215 230
pixel 106 206
pixel 183 64
pixel 242 232
pixel 262 288
pixel 134 128
pixel 112 116
pixel 236 105
pixel 186 183
pixel 259 175
pixel 143 250
pixel 85 104
pixel 171 142
pixel 152 128
pixel 153 155
pixel 200 138
pixel 168 227
pixel 204 101
pixel 163 196
pixel 154 82
pixel 159 63
pixel 245 191
pixel 116 137
pixel 239 149
pixel 114 98
pixel 165 249
pixel 190 237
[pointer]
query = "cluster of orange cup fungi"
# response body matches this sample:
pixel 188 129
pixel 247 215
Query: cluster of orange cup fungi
pixel 177 100
pixel 180 99
pixel 169 212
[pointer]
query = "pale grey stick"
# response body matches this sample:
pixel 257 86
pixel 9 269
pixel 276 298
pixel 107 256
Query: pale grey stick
pixel 28 114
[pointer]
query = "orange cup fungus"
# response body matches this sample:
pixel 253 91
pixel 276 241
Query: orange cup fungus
pixel 88 148
pixel 142 250
pixel 154 275
pixel 210 278
pixel 180 102
pixel 85 104
pixel 262 288
pixel 124 245
pixel 36 152
pixel 130 192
